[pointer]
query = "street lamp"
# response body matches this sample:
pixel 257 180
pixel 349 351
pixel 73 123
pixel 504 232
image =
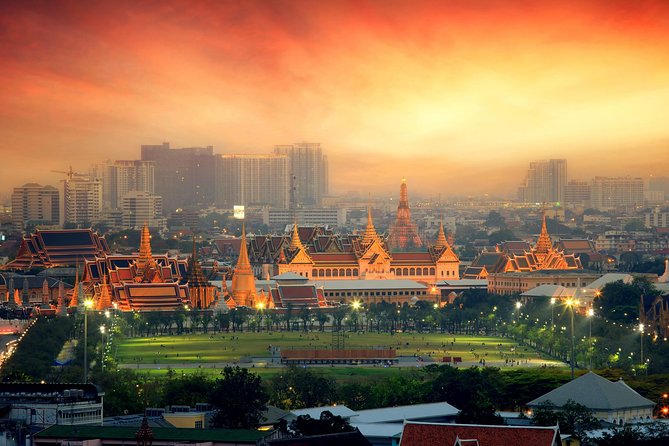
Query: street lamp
pixel 641 328
pixel 591 313
pixel 88 304
pixel 570 303
pixel 518 305
pixel 356 304
pixel 103 329
pixel 552 311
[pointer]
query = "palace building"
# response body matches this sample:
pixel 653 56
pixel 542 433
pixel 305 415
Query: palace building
pixel 319 254
pixel 55 248
pixel 521 257
pixel 147 282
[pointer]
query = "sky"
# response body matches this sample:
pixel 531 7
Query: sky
pixel 456 96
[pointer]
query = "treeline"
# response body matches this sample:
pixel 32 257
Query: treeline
pixel 35 354
pixel 478 392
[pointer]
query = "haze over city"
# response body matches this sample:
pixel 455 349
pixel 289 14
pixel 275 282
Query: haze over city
pixel 456 96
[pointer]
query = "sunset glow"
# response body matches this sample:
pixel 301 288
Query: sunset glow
pixel 456 96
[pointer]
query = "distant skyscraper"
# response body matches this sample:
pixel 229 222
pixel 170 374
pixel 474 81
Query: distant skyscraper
pixel 616 193
pixel 123 176
pixel 183 177
pixel 253 180
pixel 34 203
pixel 577 193
pixel 403 234
pixel 308 168
pixel 545 182
pixel 142 208
pixel 82 201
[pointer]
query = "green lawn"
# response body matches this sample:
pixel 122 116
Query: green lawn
pixel 195 349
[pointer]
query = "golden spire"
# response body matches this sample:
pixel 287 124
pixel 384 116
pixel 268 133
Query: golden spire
pixel 544 244
pixel 104 301
pixel 145 256
pixel 370 232
pixel 75 291
pixel 295 242
pixel 243 281
pixel 441 237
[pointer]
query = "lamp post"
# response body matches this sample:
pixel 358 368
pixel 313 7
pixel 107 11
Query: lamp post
pixel 591 313
pixel 88 303
pixel 518 305
pixel 641 328
pixel 552 311
pixel 103 329
pixel 570 304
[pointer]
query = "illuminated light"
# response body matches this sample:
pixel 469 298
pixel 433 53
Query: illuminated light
pixel 260 305
pixel 518 305
pixel 356 304
pixel 88 303
pixel 591 312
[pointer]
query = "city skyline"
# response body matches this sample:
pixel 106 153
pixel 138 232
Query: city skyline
pixel 456 98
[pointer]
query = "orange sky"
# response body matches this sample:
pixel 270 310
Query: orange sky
pixel 456 96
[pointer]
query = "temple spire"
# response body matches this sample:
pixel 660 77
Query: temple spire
pixel 295 242
pixel 75 291
pixel 664 278
pixel 104 301
pixel 403 233
pixel 145 256
pixel 243 280
pixel 370 232
pixel 544 244
pixel 441 237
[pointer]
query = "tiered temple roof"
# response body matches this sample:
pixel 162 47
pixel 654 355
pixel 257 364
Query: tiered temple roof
pixel 520 256
pixel 140 282
pixel 53 248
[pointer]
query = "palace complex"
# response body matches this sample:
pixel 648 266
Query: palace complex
pixel 520 256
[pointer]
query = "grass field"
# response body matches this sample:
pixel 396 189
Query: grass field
pixel 204 350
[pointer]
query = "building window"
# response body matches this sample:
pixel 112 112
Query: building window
pixel 198 425
pixel 425 271
pixel 335 273
pixel 328 273
pixel 348 272
pixel 355 271
pixel 341 272
pixel 432 271
pixel 412 272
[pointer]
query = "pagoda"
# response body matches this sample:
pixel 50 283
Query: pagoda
pixel 202 293
pixel 403 234
pixel 243 279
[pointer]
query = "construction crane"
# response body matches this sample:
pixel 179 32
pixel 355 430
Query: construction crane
pixel 71 174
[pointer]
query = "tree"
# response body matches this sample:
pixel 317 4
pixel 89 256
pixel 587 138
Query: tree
pixel 495 220
pixel 635 225
pixel 298 388
pixel 573 418
pixel 305 426
pixel 503 235
pixel 238 399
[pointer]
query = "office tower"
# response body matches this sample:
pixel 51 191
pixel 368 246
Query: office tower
pixel 142 208
pixel 545 182
pixel 616 193
pixel 123 176
pixel 308 171
pixel 577 193
pixel 185 177
pixel 82 201
pixel 33 203
pixel 253 180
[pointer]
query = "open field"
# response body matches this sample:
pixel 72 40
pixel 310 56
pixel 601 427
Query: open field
pixel 213 351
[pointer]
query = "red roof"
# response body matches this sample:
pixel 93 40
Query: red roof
pixel 426 434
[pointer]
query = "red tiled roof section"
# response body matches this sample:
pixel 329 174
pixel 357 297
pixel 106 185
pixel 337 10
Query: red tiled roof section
pixel 416 434
pixel 348 257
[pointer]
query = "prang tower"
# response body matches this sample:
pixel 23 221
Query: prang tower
pixel 403 233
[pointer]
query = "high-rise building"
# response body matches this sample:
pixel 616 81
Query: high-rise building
pixel 308 172
pixel 577 193
pixel 185 177
pixel 82 201
pixel 545 182
pixel 123 176
pixel 142 208
pixel 33 203
pixel 253 180
pixel 616 193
